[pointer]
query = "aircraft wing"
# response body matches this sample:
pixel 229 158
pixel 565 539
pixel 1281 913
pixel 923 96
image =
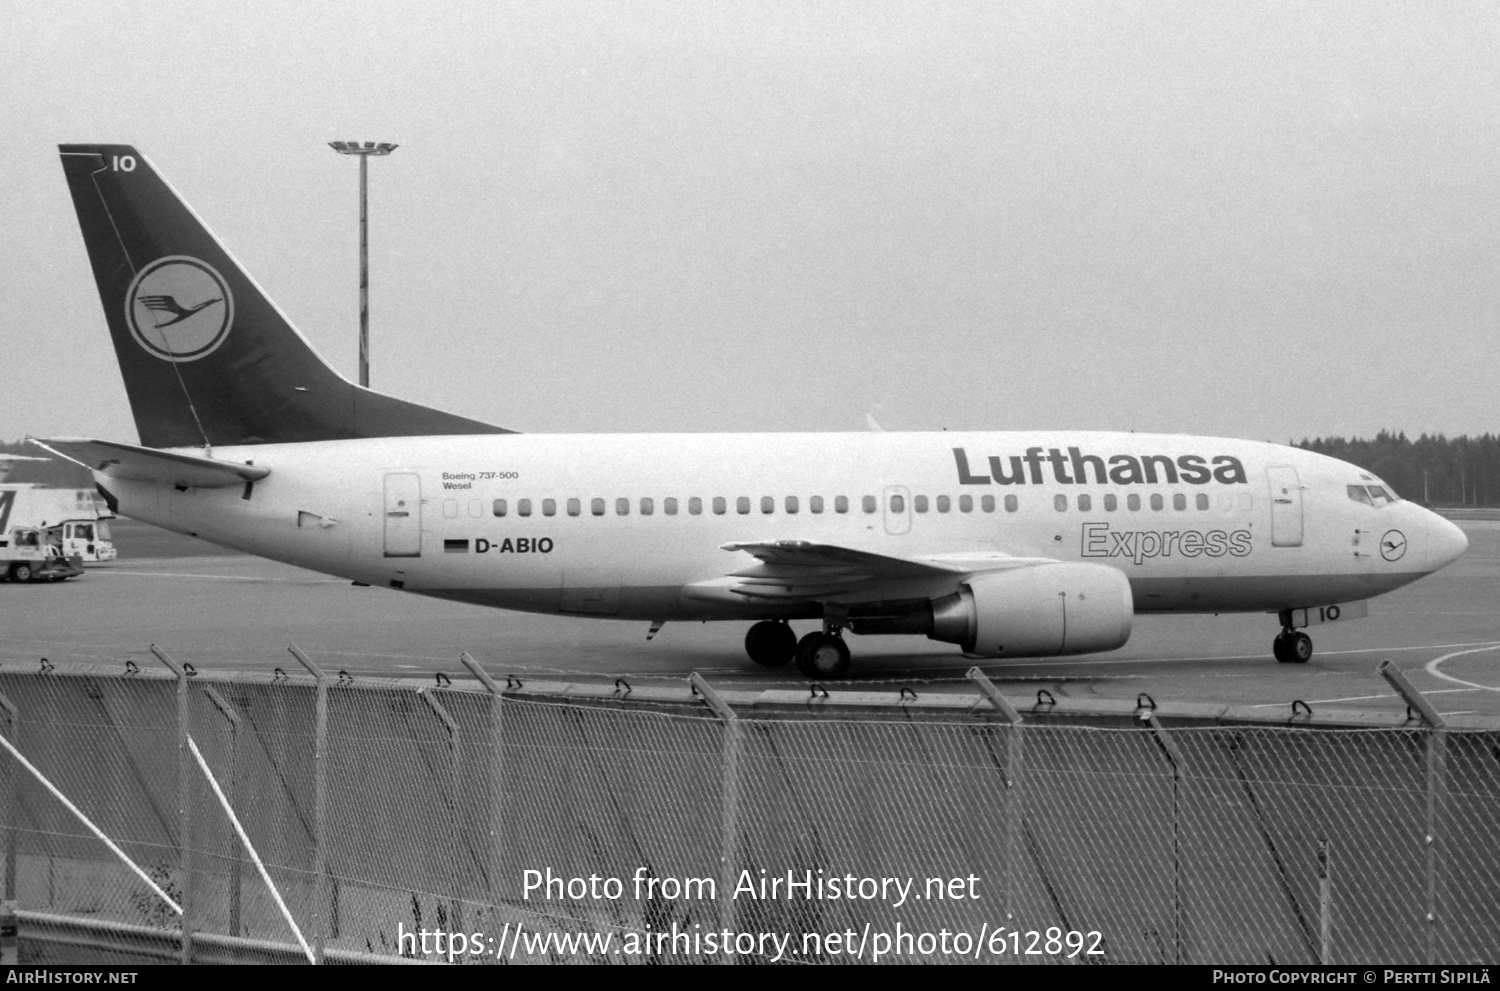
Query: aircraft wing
pixel 128 461
pixel 789 570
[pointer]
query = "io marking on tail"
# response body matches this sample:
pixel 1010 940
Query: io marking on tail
pixel 154 302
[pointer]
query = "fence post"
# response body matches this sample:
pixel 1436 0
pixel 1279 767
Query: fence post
pixel 1013 794
pixel 320 802
pixel 496 767
pixel 451 726
pixel 235 854
pixel 184 802
pixel 1179 766
pixel 183 716
pixel 1437 752
pixel 1325 906
pixel 8 798
pixel 729 803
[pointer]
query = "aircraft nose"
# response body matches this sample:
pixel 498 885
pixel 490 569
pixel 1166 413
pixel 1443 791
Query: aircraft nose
pixel 1446 543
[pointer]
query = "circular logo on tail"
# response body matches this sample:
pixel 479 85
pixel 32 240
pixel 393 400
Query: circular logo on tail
pixel 179 308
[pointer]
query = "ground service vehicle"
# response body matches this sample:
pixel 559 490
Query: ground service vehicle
pixel 82 518
pixel 35 554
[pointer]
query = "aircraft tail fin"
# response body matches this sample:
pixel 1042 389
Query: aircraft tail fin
pixel 207 358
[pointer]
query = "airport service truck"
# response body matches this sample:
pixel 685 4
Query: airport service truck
pixel 35 554
pixel 82 525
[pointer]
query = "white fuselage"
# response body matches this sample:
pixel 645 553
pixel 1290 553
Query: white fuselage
pixel 632 526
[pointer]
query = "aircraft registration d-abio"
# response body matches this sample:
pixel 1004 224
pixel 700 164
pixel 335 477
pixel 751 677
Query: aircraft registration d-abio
pixel 1020 544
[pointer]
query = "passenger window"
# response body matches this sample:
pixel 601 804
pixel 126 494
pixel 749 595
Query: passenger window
pixel 1133 502
pixel 549 507
pixel 1358 494
pixel 1111 503
pixel 919 503
pixel 791 504
pixel 648 506
pixel 1011 503
pixel 523 507
pixel 965 504
pixel 597 507
pixel 695 506
pixel 574 507
pixel 1156 500
pixel 720 506
pixel 1202 500
pixel 669 506
pixel 742 505
pixel 898 504
pixel 1085 503
pixel 815 504
pixel 767 504
pixel 1179 501
pixel 500 506
pixel 944 504
pixel 622 507
pixel 867 503
pixel 1060 503
pixel 987 503
pixel 840 504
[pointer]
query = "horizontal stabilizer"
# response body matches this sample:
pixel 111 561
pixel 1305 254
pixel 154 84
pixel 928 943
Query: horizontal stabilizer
pixel 126 461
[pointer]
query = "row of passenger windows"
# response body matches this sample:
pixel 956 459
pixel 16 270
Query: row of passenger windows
pixel 743 505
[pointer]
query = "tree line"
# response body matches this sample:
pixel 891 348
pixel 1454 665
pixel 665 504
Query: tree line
pixel 1435 470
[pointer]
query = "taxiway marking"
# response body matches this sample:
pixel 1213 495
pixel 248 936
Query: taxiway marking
pixel 1434 664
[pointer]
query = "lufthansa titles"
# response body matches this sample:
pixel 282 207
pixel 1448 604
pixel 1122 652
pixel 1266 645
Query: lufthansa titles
pixel 1077 468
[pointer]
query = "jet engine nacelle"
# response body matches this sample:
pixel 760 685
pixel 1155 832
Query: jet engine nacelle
pixel 1038 611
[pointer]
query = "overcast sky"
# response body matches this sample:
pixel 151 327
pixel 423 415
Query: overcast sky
pixel 1267 220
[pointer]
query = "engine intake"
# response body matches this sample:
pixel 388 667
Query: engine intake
pixel 1038 611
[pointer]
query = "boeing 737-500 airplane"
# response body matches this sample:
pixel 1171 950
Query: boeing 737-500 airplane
pixel 1007 544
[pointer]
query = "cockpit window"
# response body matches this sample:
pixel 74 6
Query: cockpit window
pixel 1371 495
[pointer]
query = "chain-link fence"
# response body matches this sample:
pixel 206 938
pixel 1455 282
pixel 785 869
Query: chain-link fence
pixel 158 814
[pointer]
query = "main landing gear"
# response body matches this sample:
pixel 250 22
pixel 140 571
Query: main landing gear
pixel 771 644
pixel 822 655
pixel 1292 646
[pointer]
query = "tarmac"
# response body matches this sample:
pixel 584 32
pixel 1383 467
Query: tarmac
pixel 221 611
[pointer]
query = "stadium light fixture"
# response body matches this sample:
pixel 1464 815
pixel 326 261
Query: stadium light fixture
pixel 364 150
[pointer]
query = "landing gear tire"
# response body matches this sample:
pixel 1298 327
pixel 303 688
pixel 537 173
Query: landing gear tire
pixel 771 644
pixel 1292 648
pixel 822 656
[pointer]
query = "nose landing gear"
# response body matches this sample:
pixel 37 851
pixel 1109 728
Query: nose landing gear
pixel 1292 647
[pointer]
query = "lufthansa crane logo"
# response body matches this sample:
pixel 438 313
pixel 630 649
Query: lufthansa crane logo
pixel 179 308
pixel 1393 545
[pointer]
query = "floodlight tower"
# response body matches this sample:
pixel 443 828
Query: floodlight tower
pixel 364 151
